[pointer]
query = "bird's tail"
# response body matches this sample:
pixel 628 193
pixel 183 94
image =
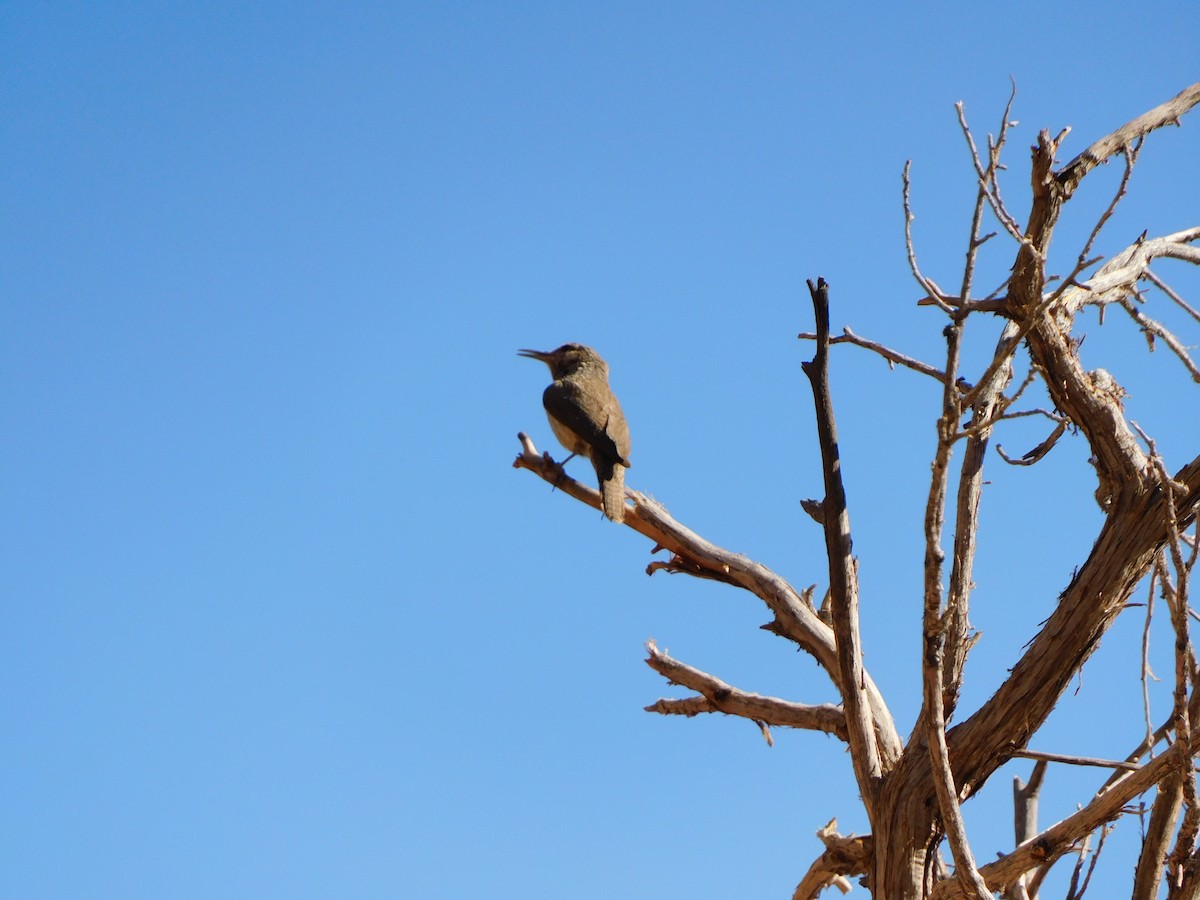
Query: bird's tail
pixel 612 490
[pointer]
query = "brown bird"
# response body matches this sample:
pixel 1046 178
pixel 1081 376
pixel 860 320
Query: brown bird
pixel 587 419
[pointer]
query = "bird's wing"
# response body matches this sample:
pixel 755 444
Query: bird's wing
pixel 588 414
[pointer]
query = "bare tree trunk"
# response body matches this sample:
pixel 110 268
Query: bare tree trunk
pixel 912 791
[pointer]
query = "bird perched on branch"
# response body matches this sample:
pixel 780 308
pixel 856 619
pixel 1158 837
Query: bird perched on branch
pixel 587 419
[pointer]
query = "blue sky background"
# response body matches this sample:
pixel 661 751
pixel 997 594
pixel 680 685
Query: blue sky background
pixel 280 620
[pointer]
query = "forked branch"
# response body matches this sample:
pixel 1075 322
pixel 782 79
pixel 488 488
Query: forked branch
pixel 724 698
pixel 844 855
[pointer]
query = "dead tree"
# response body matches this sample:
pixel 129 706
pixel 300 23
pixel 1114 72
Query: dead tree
pixel 912 787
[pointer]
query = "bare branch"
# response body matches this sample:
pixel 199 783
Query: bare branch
pixel 793 617
pixel 1175 298
pixel 1120 558
pixel 986 174
pixel 1005 402
pixel 686 706
pixel 933 635
pixel 1077 890
pixel 1163 816
pixel 989 304
pixel 725 698
pixel 892 356
pixel 1148 743
pixel 1025 817
pixel 1060 838
pixel 1147 673
pixel 1116 279
pixel 989 399
pixel 983 194
pixel 1157 329
pixel 964 861
pixel 1119 461
pixel 1175 594
pixel 849 855
pixel 1038 452
pixel 1164 114
pixel 935 294
pixel 1076 760
pixel 843 576
pixel 1025 799
pixel 1130 153
pixel 1026 413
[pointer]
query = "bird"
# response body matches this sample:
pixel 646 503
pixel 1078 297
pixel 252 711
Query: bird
pixel 586 418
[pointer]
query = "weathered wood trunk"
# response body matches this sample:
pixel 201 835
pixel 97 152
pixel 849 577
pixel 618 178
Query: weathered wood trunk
pixel 903 832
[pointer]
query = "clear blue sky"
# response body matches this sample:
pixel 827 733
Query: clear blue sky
pixel 279 619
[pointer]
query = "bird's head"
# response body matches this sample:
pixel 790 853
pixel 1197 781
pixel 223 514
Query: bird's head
pixel 566 359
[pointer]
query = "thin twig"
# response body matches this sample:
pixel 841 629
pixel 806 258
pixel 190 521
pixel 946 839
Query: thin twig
pixel 1175 594
pixel 935 293
pixel 1130 153
pixel 1170 292
pixel 986 174
pixel 974 241
pixel 1056 418
pixel 1147 672
pixel 1037 453
pixel 1078 895
pixel 1157 329
pixel 1075 760
pixel 892 356
pixel 1146 746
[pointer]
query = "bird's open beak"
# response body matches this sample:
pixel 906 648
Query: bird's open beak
pixel 535 354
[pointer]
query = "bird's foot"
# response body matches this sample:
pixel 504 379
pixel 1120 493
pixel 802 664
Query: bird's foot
pixel 562 468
